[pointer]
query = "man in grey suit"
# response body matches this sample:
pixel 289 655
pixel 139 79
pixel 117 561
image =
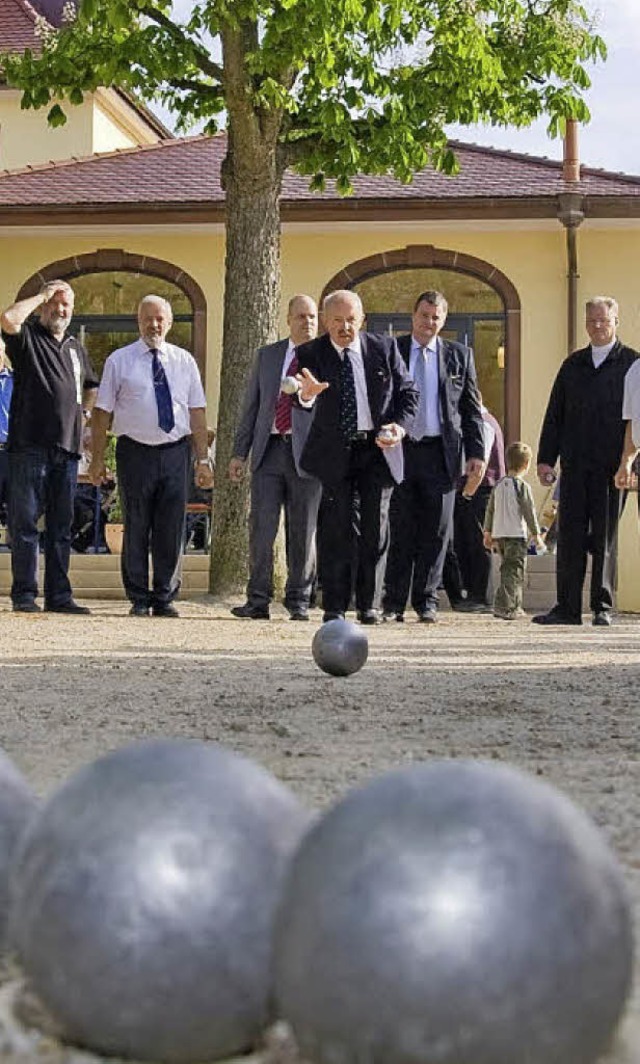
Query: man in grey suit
pixel 274 428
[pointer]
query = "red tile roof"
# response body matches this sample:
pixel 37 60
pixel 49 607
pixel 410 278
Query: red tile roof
pixel 17 26
pixel 186 171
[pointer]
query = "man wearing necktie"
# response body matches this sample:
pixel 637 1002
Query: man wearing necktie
pixel 447 425
pixel 364 402
pixel 274 428
pixel 154 394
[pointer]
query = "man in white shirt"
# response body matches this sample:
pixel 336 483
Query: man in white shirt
pixel 274 429
pixel 583 427
pixel 153 391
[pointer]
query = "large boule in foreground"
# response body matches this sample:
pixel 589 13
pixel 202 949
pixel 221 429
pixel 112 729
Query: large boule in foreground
pixel 340 647
pixel 143 900
pixel 453 913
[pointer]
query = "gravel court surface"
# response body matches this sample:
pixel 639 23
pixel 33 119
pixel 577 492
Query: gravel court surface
pixel 559 703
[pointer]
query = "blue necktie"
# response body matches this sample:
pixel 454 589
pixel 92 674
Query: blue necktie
pixel 166 420
pixel 348 404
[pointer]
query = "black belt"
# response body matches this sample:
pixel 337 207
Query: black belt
pixel 3 446
pixel 362 436
pixel 424 441
pixel 284 437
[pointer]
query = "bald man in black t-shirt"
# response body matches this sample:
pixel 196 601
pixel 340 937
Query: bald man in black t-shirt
pixel 53 383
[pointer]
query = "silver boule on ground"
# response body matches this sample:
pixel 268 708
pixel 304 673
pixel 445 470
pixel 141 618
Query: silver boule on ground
pixel 143 900
pixel 18 805
pixel 340 647
pixel 454 911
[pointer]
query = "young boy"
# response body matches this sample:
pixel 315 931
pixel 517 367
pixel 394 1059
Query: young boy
pixel 510 519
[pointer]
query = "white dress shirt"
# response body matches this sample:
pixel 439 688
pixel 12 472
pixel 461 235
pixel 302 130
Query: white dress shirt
pixel 430 401
pixel 127 391
pixel 631 400
pixel 365 421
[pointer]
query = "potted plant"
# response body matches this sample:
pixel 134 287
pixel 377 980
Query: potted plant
pixel 114 528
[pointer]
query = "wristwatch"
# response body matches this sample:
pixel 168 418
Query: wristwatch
pixel 204 461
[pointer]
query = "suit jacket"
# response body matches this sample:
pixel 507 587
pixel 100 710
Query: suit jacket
pixel 460 407
pixel 583 424
pixel 258 409
pixel 390 390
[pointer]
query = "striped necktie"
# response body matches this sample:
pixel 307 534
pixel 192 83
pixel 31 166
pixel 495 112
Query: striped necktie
pixel 282 417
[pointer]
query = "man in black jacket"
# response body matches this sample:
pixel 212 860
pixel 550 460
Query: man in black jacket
pixel 448 425
pixel 363 402
pixel 583 427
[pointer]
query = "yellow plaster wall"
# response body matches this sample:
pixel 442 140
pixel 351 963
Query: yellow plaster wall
pixel 26 139
pixel 534 262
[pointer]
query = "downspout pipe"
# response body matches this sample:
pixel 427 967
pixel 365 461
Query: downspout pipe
pixel 571 216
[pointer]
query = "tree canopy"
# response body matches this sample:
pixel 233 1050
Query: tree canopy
pixel 347 87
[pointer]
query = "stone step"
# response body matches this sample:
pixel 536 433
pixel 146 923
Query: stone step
pixel 96 576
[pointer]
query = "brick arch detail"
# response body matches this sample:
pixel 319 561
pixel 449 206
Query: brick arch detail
pixel 426 256
pixel 110 259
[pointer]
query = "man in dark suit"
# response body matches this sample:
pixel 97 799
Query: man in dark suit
pixel 273 427
pixel 583 427
pixel 363 402
pixel 448 423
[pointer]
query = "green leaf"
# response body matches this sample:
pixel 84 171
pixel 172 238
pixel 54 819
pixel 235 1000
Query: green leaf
pixel 56 116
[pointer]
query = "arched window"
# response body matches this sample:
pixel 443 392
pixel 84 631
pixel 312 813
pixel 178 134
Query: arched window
pixel 105 311
pixel 476 318
pixel 108 286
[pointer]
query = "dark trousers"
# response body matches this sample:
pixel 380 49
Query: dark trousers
pixel 473 558
pixel 4 483
pixel 42 480
pixel 153 489
pixel 275 485
pixel 588 515
pixel 367 487
pixel 421 525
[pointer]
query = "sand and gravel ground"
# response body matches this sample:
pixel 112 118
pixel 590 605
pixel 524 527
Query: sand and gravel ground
pixel 562 704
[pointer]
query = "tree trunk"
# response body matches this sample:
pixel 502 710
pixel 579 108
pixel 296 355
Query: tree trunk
pixel 251 319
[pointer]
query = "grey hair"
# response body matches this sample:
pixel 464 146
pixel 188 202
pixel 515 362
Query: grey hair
pixel 339 295
pixel 156 299
pixel 603 301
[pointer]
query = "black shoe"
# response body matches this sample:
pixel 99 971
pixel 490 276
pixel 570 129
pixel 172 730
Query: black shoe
pixel 299 614
pixel 602 619
pixel 369 617
pixel 139 610
pixel 390 615
pixel 68 607
pixel 555 617
pixel 427 617
pixel 26 607
pixel 332 615
pixel 254 613
pixel 164 609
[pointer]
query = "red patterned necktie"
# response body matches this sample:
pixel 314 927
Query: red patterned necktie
pixel 285 402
